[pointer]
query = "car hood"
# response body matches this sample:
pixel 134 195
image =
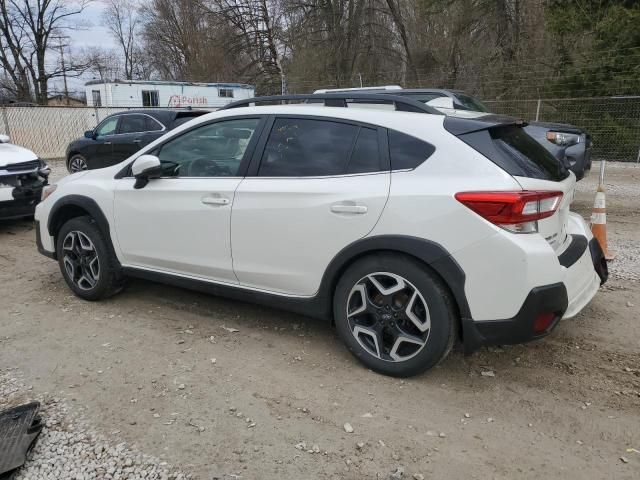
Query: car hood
pixel 562 127
pixel 11 154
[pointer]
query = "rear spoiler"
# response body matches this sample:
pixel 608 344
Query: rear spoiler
pixel 460 126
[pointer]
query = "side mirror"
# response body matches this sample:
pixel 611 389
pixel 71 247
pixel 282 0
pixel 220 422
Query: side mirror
pixel 4 139
pixel 144 168
pixel 89 134
pixel 441 102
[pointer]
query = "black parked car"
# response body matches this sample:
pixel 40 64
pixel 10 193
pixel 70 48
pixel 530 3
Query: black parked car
pixel 122 134
pixel 571 145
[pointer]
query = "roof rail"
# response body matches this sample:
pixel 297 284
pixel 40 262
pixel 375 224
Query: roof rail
pixel 402 104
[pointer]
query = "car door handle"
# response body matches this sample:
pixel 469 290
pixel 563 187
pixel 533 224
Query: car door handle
pixel 215 201
pixel 342 208
pixel 137 140
pixel 107 143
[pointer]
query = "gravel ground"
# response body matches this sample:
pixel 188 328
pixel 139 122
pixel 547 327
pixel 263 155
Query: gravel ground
pixel 224 390
pixel 627 263
pixel 69 448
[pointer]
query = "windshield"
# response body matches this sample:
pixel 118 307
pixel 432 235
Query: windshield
pixel 471 103
pixel 184 117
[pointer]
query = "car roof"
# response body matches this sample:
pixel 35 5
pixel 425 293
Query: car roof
pixel 165 115
pixel 408 122
pixel 428 90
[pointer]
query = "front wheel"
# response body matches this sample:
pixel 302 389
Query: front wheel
pixel 394 314
pixel 77 163
pixel 86 262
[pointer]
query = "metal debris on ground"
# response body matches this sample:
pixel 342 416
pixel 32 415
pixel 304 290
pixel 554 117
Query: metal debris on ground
pixel 19 428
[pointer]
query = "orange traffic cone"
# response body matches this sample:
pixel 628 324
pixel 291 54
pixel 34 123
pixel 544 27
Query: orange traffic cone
pixel 599 223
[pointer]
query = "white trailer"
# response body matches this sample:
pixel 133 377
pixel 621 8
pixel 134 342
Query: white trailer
pixel 149 93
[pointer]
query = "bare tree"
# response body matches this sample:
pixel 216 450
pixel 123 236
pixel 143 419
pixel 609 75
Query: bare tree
pixel 102 63
pixel 257 28
pixel 123 20
pixel 185 40
pixel 399 22
pixel 28 28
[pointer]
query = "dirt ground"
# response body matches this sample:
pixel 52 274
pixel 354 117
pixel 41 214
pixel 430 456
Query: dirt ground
pixel 139 367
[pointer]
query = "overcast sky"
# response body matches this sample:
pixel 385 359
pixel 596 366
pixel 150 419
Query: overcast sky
pixel 91 34
pixel 95 34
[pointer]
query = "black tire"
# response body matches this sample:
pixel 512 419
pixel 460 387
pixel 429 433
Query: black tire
pixel 109 279
pixel 74 162
pixel 439 311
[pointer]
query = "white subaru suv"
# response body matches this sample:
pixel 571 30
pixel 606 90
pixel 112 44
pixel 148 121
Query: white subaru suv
pixel 404 228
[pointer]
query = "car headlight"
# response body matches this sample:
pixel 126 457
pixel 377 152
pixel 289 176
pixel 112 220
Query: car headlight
pixel 563 139
pixel 47 190
pixel 44 169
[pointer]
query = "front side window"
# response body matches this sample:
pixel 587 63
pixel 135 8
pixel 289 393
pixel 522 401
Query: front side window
pixel 307 148
pixel 214 150
pixel 150 98
pixel 108 127
pixel 133 124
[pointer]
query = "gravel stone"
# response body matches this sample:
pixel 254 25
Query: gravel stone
pixel 71 449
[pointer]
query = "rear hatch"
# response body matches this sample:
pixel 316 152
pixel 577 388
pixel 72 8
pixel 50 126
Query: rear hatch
pixel 504 141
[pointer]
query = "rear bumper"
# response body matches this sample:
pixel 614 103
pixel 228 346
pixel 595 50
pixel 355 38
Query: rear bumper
pixel 586 270
pixel 520 328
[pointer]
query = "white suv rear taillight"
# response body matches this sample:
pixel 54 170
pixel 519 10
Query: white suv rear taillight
pixel 517 212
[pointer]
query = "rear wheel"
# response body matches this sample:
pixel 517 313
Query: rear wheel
pixel 86 262
pixel 394 314
pixel 77 163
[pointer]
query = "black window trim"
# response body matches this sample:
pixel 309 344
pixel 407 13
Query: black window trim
pixel 383 151
pixel 244 163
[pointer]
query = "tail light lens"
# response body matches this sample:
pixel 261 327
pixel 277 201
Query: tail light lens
pixel 517 212
pixel 543 322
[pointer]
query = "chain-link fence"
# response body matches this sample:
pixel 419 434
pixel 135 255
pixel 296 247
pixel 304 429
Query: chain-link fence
pixel 613 122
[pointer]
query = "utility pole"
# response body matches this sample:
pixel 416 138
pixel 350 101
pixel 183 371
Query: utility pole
pixel 64 75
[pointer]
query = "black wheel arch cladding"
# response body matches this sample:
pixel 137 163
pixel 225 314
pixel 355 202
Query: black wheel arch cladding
pixel 428 252
pixel 72 206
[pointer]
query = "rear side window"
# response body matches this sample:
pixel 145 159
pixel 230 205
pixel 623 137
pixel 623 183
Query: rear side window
pixel 312 148
pixel 133 123
pixel 407 152
pixel 151 125
pixel 365 157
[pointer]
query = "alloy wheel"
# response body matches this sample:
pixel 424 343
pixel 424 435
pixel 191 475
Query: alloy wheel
pixel 77 164
pixel 388 316
pixel 80 260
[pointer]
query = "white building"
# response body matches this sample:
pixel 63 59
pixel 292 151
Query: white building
pixel 149 93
